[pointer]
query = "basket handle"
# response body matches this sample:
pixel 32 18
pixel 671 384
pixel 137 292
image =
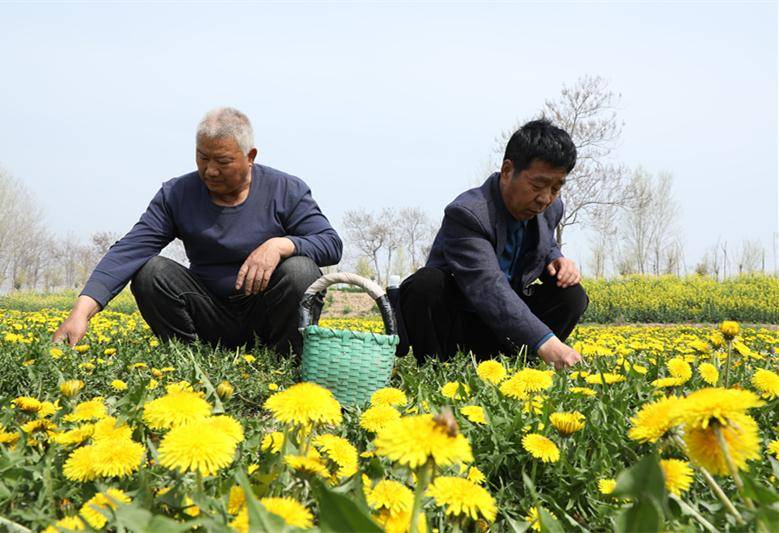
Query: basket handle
pixel 313 299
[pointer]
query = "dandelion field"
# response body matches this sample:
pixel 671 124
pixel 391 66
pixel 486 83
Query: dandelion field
pixel 124 433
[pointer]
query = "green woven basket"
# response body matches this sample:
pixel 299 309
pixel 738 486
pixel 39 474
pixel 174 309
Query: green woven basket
pixel 352 364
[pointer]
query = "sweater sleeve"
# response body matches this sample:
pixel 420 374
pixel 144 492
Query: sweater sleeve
pixel 311 232
pixel 554 250
pixel 471 258
pixel 146 239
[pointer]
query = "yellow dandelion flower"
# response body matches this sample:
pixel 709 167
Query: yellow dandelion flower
pixel 491 371
pixel 340 451
pixel 48 409
pixel 716 403
pixel 541 448
pixel 175 409
pixel 109 352
pixel 102 501
pixel 93 409
pixel 40 425
pixel 773 448
pixel 654 420
pixel 79 465
pixel 241 522
pixel 455 390
pixel 399 522
pixel 474 413
pixel 462 497
pixel 292 511
pixel 225 390
pixel 310 464
pixel 609 378
pixel 28 404
pixel 476 475
pixel 678 475
pixel 585 391
pixel 273 442
pixel 273 387
pixel 533 518
pixel 640 369
pixel 740 435
pixel 767 383
pixel 69 523
pixel 75 436
pixel 662 383
pixel 607 486
pixel 82 348
pixel 391 495
pixel 179 386
pixel 236 500
pixel 227 426
pixel 249 358
pixel 534 380
pixel 514 388
pixel 709 373
pixel 412 440
pixel 680 369
pixel 8 437
pixel 56 353
pixel 378 416
pixel 190 508
pixel 197 446
pixel 305 403
pixel 729 329
pixel 116 457
pixel 107 428
pixel 71 387
pixel 118 385
pixel 389 396
pixel 567 423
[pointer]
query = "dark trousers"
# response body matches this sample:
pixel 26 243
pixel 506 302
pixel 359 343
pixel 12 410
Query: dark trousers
pixel 439 321
pixel 176 305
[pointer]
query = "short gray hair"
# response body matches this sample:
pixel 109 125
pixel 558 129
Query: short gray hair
pixel 227 122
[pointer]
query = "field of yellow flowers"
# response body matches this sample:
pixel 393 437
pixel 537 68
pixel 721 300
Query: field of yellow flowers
pixel 663 428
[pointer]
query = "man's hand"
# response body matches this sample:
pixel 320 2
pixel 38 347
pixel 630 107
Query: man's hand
pixel 554 351
pixel 73 328
pixel 566 272
pixel 256 271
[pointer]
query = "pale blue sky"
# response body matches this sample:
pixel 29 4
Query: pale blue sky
pixel 384 104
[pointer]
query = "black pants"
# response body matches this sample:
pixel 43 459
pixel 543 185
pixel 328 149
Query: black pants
pixel 177 305
pixel 438 323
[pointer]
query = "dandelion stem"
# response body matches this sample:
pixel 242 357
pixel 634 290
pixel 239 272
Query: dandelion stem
pixel 731 466
pixel 695 514
pixel 424 473
pixel 727 363
pixel 715 488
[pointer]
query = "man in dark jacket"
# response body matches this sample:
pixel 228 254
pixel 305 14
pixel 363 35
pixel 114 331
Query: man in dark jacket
pixel 496 279
pixel 254 236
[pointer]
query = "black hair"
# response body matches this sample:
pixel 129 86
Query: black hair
pixel 540 139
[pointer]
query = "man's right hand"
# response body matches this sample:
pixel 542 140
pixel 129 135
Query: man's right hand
pixel 556 352
pixel 73 328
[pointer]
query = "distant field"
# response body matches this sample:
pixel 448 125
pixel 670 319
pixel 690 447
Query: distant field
pixel 751 299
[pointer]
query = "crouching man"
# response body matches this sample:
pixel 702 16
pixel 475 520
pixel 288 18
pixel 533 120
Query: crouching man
pixel 254 236
pixel 495 279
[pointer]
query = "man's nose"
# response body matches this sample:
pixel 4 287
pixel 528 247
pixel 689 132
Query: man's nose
pixel 212 169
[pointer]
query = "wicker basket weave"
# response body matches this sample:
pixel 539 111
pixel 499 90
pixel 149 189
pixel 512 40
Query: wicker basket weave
pixel 352 364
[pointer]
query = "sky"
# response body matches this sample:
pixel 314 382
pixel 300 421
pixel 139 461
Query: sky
pixel 385 104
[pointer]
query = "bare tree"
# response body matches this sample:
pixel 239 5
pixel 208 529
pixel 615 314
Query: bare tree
pixel 602 238
pixel 367 235
pixel 414 227
pixel 663 214
pixel 587 111
pixel 636 225
pixel 751 257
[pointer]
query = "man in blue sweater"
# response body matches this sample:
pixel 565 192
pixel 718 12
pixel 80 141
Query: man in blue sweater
pixel 495 279
pixel 254 236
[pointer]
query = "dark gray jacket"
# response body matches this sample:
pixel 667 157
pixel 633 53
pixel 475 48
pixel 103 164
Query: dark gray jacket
pixel 472 238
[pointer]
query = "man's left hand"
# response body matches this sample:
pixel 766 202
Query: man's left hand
pixel 565 271
pixel 256 271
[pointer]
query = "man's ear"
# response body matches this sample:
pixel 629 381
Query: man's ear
pixel 507 169
pixel 251 155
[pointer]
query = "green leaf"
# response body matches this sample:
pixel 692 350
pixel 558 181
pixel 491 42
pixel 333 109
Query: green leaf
pixel 218 407
pixel 645 478
pixel 549 523
pixel 643 516
pixel 260 520
pixel 758 492
pixel 338 512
